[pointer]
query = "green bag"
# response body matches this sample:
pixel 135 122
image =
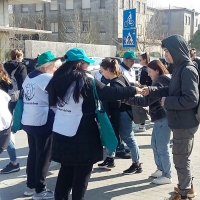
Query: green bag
pixel 107 134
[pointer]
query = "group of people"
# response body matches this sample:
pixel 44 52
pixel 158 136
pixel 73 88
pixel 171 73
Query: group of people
pixel 59 118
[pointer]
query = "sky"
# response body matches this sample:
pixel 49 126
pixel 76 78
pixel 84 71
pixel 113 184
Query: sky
pixel 191 4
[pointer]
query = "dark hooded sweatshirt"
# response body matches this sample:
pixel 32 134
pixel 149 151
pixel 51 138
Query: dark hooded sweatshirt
pixel 182 95
pixel 20 73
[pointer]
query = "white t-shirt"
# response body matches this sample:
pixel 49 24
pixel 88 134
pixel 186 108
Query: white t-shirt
pixel 5 115
pixel 36 103
pixel 129 74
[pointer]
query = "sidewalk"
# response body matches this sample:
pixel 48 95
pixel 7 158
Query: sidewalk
pixel 103 185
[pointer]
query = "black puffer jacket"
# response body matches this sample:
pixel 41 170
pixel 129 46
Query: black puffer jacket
pixel 85 147
pixel 156 111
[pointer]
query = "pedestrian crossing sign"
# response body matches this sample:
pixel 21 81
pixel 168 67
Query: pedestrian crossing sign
pixel 129 38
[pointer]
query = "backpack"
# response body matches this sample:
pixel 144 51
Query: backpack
pixel 14 92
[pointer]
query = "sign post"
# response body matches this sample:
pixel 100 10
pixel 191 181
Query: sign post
pixel 129 38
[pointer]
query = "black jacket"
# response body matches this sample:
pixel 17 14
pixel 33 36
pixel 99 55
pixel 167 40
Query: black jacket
pixel 20 73
pixel 182 95
pixel 5 86
pixel 198 62
pixel 156 111
pixel 85 147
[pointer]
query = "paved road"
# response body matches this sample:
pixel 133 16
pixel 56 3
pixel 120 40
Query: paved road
pixel 103 185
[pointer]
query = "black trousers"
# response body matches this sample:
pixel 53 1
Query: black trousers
pixel 73 178
pixel 4 139
pixel 39 159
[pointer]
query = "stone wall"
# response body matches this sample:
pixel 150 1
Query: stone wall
pixel 33 48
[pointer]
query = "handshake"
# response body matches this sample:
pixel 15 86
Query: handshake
pixel 143 91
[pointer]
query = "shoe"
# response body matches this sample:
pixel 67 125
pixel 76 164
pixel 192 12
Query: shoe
pixel 29 191
pixel 162 180
pixel 47 194
pixel 157 173
pixel 133 169
pixel 10 168
pixel 140 129
pixel 107 163
pixel 123 155
pixel 178 197
pixel 191 193
pixel 127 150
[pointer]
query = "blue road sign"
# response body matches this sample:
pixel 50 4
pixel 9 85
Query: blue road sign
pixel 129 19
pixel 129 38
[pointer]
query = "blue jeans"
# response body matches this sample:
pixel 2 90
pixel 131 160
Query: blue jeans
pixel 160 142
pixel 127 135
pixel 11 151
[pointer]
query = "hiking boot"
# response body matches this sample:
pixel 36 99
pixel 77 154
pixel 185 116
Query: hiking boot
pixel 10 168
pixel 191 193
pixel 133 169
pixel 162 180
pixel 123 155
pixel 47 194
pixel 178 197
pixel 157 173
pixel 29 191
pixel 107 163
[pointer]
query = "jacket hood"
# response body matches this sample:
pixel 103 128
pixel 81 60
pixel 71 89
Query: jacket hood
pixel 178 49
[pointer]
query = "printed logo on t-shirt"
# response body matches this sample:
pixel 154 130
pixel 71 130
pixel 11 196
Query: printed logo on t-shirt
pixel 29 91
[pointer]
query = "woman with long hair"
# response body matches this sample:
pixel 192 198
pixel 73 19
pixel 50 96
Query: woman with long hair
pixel 160 140
pixel 5 82
pixel 76 138
pixel 120 118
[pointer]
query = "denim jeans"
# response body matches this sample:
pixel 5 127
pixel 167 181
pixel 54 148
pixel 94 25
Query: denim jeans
pixel 127 135
pixel 11 151
pixel 160 142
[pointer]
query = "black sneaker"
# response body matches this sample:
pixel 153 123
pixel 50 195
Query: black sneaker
pixel 10 168
pixel 123 154
pixel 133 169
pixel 107 163
pixel 127 150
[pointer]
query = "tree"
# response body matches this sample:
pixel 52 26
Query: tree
pixel 195 41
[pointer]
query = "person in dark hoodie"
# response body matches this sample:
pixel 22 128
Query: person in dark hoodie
pixel 17 72
pixel 180 100
pixel 160 140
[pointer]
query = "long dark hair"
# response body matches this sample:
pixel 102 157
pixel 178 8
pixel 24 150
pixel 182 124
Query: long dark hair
pixel 68 73
pixel 158 65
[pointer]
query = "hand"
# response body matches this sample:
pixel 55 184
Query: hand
pixel 163 101
pixel 139 90
pixel 145 91
pixel 137 84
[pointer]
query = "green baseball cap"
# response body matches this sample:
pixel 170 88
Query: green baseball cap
pixel 76 54
pixel 45 58
pixel 130 55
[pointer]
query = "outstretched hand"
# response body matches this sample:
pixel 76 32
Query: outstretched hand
pixel 139 90
pixel 145 91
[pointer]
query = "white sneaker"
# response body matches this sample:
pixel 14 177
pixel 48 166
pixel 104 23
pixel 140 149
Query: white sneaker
pixel 140 129
pixel 157 173
pixel 162 180
pixel 29 192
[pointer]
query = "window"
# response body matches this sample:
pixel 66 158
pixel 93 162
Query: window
pixel 102 4
pixel 121 4
pixel 39 7
pixel 196 22
pixel 185 19
pixel 69 4
pixel 24 7
pixel 38 25
pixel 54 5
pixel 102 28
pixel 54 27
pixel 143 8
pixel 138 7
pixel 188 20
pixel 86 4
pixel 85 26
pixel 69 27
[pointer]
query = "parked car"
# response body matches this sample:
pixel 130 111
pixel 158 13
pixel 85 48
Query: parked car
pixel 30 64
pixel 94 67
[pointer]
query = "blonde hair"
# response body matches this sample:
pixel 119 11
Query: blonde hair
pixel 4 75
pixel 56 64
pixel 16 53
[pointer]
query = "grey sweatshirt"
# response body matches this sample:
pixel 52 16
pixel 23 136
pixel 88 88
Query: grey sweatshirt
pixel 182 95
